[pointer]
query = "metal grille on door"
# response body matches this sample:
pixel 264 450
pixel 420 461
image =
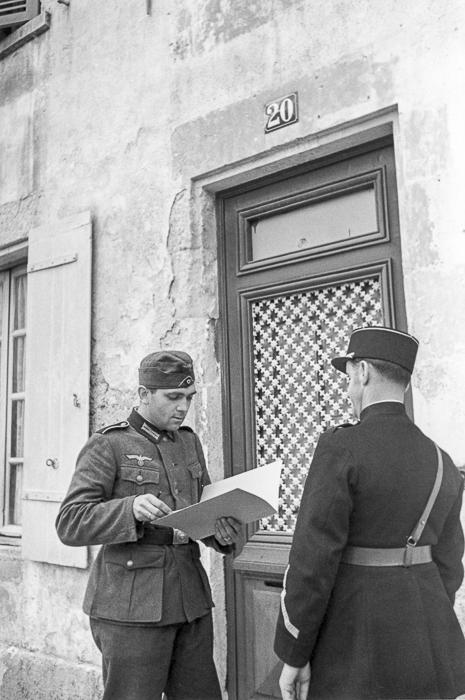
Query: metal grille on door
pixel 297 393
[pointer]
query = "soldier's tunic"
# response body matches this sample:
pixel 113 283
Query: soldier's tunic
pixel 139 578
pixel 375 632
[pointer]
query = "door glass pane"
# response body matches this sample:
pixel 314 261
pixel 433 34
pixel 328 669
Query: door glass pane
pixel 17 428
pixel 325 221
pixel 297 392
pixel 20 284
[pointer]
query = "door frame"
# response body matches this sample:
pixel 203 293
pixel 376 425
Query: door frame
pixel 208 191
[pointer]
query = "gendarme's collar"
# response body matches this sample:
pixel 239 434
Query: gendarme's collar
pixel 383 408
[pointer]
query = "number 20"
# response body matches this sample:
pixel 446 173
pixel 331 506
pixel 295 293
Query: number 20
pixel 280 113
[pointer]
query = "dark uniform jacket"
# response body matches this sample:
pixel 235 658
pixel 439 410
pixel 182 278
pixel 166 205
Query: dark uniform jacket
pixel 132 580
pixel 375 632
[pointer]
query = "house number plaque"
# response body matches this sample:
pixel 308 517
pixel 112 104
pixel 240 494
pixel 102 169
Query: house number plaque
pixel 281 112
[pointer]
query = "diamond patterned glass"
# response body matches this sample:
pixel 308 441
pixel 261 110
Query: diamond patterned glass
pixel 297 392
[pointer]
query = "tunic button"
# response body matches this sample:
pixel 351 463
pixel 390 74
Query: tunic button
pixel 130 564
pixel 139 477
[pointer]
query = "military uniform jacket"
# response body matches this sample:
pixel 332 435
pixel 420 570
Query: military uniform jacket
pixel 375 632
pixel 130 581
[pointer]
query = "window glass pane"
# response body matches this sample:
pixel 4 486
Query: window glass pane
pixel 20 289
pixel 325 221
pixel 17 428
pixel 14 514
pixel 2 291
pixel 19 362
pixel 1 307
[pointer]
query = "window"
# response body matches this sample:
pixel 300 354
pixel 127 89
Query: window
pixel 13 290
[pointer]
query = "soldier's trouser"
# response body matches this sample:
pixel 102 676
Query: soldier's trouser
pixel 139 663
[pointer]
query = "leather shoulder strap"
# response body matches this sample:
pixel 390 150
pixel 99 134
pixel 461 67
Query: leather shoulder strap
pixel 419 527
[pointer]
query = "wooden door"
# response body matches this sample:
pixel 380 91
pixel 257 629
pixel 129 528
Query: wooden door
pixel 305 257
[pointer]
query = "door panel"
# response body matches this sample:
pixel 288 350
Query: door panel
pixel 263 666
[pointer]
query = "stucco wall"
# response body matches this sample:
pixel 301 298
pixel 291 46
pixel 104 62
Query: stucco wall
pixel 45 650
pixel 116 110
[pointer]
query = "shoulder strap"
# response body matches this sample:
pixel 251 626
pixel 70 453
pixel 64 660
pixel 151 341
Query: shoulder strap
pixel 419 527
pixel 114 426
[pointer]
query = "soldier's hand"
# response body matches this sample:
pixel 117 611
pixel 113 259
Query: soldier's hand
pixel 227 530
pixel 148 508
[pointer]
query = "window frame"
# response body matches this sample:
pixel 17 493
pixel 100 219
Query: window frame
pixel 10 533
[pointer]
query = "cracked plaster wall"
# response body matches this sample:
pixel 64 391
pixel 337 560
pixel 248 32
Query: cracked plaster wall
pixel 115 111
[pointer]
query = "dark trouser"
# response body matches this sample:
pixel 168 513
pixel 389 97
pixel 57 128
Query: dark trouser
pixel 139 663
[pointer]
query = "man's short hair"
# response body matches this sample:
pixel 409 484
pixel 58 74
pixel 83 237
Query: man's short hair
pixel 391 371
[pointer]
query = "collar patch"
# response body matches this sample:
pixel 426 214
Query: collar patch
pixel 150 431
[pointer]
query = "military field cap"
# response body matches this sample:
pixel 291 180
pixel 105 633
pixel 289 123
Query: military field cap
pixel 380 343
pixel 167 369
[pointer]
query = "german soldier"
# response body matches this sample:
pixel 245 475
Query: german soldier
pixel 148 595
pixel 367 604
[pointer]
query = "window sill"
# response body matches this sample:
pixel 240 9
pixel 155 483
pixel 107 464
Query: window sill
pixel 25 33
pixel 11 532
pixel 10 536
pixel 10 548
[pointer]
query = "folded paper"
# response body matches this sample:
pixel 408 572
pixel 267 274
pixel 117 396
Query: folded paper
pixel 248 496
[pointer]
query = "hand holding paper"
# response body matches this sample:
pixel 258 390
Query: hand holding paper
pixel 228 530
pixel 248 496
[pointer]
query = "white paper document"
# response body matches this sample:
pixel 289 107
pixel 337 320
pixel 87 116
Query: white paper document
pixel 248 496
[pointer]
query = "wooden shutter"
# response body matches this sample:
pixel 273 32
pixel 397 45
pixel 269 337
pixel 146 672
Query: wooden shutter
pixel 14 12
pixel 57 380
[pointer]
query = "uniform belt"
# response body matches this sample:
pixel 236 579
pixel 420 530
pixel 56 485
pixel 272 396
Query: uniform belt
pixel 367 556
pixel 163 535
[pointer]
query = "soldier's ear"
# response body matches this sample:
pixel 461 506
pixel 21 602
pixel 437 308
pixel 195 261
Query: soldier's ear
pixel 144 394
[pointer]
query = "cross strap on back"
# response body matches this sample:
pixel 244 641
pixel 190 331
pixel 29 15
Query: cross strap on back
pixel 417 531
